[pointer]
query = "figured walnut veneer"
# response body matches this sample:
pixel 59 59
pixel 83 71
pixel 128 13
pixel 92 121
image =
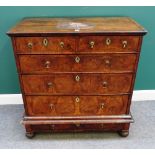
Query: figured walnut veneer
pixel 77 74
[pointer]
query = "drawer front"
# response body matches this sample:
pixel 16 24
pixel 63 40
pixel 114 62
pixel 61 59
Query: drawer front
pixel 108 44
pixel 76 127
pixel 77 63
pixel 90 44
pixel 77 83
pixel 76 105
pixel 45 45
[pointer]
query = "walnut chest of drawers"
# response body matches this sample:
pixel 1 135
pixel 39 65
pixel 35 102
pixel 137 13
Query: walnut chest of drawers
pixel 77 74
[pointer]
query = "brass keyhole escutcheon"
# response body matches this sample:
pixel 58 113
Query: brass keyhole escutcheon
pixel 47 64
pixel 77 59
pixel 125 43
pixel 45 42
pixel 91 44
pixel 49 84
pixel 77 99
pixel 77 78
pixel 30 45
pixel 108 41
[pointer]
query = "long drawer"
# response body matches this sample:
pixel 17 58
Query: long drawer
pixel 67 45
pixel 76 127
pixel 77 83
pixel 77 63
pixel 76 105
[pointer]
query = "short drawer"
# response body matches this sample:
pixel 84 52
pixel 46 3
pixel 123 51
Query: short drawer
pixel 45 44
pixel 77 83
pixel 76 105
pixel 77 63
pixel 108 44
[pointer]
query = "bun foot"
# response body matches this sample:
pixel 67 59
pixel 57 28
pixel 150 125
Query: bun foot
pixel 123 133
pixel 29 135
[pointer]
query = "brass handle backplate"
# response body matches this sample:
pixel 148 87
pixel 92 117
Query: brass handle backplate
pixel 108 41
pixel 105 84
pixel 45 42
pixel 77 124
pixel 62 44
pixel 102 106
pixel 51 106
pixel 47 64
pixel 125 43
pixel 49 84
pixel 77 59
pixel 91 44
pixel 107 62
pixel 30 45
pixel 77 78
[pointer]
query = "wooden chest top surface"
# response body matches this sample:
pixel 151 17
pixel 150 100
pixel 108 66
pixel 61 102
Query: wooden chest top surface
pixel 104 25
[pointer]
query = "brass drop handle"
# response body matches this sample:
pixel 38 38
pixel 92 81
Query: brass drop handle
pixel 124 43
pixel 107 62
pixel 108 41
pixel 105 84
pixel 47 64
pixel 77 78
pixel 102 106
pixel 61 44
pixel 45 42
pixel 49 84
pixel 30 45
pixel 91 44
pixel 102 125
pixel 51 106
pixel 77 124
pixel 77 59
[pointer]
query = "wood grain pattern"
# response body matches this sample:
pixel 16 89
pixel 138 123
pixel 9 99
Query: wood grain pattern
pixel 115 44
pixel 67 105
pixel 53 45
pixel 106 63
pixel 67 84
pixel 32 45
pixel 106 25
pixel 77 74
